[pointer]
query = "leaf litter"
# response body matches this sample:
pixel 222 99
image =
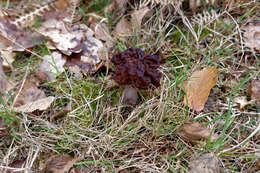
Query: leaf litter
pixel 194 131
pixel 198 87
pixel 61 163
pixel 79 46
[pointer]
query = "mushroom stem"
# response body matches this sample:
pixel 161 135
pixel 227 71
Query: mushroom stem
pixel 130 95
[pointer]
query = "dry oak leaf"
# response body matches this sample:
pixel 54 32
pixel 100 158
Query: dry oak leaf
pixel 40 104
pixel 193 131
pixel 199 86
pixel 251 35
pixel 59 164
pixel 206 163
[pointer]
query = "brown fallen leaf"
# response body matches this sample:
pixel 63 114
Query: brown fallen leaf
pixel 198 87
pixel 123 28
pixel 193 131
pixel 62 35
pixel 206 163
pixel 59 164
pixel 251 35
pixel 40 104
pixel 29 93
pixel 91 50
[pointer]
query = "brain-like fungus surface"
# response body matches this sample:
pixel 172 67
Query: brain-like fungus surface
pixel 136 68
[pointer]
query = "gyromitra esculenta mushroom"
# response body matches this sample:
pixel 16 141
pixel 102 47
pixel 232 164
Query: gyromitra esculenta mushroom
pixel 135 68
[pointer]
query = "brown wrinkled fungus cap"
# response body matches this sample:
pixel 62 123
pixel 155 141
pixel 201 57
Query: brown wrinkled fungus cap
pixel 136 68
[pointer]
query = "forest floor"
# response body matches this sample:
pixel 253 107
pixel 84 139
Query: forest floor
pixel 204 116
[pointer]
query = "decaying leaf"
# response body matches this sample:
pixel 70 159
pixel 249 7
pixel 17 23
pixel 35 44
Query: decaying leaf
pixel 206 163
pixel 52 65
pixel 29 93
pixel 16 39
pixel 59 164
pixel 251 35
pixel 77 39
pixel 40 104
pixel 193 131
pixel 63 37
pixel 199 86
pixel 102 32
pixel 91 50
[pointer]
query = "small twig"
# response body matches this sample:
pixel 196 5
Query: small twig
pixel 24 79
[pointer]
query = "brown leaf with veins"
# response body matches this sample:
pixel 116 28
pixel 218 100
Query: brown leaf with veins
pixel 193 131
pixel 59 164
pixel 199 86
pixel 30 98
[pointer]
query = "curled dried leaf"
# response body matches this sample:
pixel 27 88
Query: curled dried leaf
pixel 193 131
